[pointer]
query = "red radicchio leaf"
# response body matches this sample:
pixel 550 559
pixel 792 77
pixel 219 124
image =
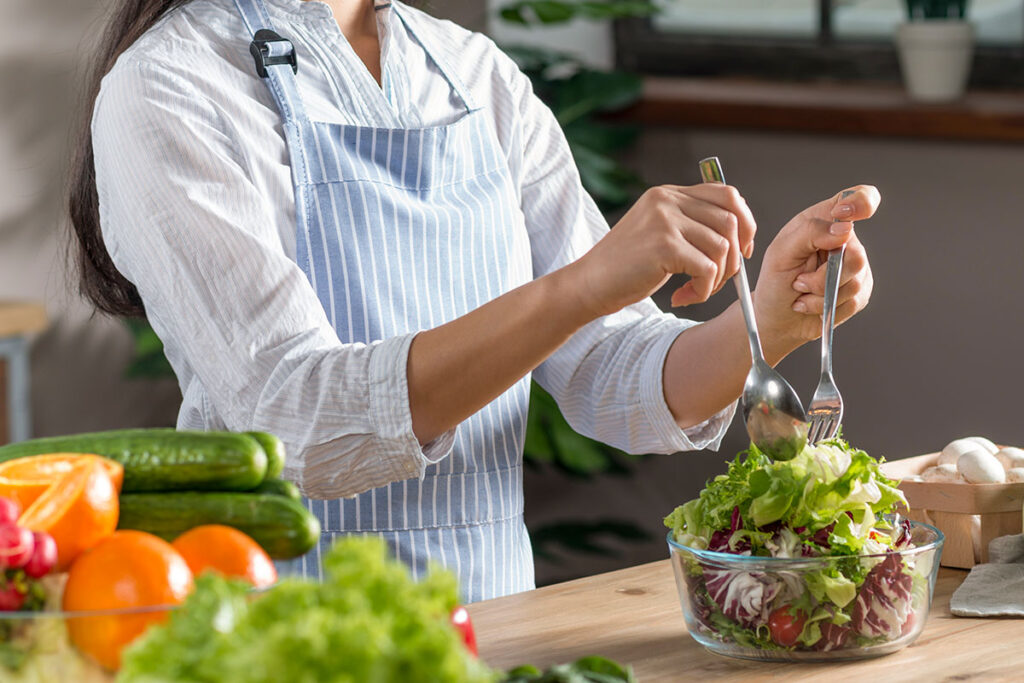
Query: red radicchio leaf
pixel 883 602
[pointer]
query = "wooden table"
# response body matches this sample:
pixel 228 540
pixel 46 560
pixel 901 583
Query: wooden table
pixel 18 320
pixel 633 616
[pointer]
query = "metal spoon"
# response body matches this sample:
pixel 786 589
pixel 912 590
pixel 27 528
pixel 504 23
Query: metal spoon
pixel 775 418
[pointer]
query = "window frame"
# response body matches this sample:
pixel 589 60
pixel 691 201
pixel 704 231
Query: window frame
pixel 641 47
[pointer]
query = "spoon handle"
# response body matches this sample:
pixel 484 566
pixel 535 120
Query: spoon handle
pixel 711 172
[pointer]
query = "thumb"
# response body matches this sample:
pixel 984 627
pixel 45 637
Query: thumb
pixel 857 203
pixel 828 224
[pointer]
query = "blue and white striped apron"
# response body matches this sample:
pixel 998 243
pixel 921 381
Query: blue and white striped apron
pixel 400 231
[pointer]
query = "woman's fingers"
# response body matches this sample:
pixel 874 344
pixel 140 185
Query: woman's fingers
pixel 703 271
pixel 854 204
pixel 722 250
pixel 816 229
pixel 700 231
pixel 721 207
pixel 853 295
pixel 855 260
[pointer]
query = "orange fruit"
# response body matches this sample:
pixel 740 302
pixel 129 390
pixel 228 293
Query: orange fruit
pixel 79 509
pixel 129 569
pixel 228 552
pixel 25 479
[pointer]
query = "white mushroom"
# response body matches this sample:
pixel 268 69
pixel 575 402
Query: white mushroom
pixel 981 467
pixel 985 443
pixel 1010 457
pixel 946 472
pixel 952 452
pixel 1015 474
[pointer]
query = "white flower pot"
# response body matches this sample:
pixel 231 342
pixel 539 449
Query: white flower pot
pixel 935 57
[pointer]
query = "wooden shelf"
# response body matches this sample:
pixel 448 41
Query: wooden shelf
pixel 839 108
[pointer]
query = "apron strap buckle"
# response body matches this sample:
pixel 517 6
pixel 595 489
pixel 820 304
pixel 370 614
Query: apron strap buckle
pixel 270 49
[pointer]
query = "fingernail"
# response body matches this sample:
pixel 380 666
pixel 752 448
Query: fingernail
pixel 841 228
pixel 800 307
pixel 842 211
pixel 801 286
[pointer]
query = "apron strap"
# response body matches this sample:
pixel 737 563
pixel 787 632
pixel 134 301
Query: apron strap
pixel 276 63
pixel 434 52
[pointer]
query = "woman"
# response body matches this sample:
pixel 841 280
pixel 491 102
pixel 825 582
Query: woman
pixel 354 226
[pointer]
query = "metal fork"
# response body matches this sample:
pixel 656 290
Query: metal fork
pixel 825 413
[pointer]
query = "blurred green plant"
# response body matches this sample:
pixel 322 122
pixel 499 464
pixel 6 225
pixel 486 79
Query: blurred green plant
pixel 552 12
pixel 149 360
pixel 936 9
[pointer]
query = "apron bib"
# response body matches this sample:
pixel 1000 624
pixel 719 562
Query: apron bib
pixel 400 231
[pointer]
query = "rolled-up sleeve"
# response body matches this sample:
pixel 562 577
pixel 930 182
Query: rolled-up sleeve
pixel 608 378
pixel 183 221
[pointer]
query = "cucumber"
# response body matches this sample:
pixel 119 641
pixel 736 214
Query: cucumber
pixel 164 459
pixel 283 527
pixel 274 449
pixel 279 487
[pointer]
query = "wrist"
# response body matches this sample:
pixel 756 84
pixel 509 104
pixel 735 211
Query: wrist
pixel 570 288
pixel 777 341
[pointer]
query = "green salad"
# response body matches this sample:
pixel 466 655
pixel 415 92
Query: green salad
pixel 367 621
pixel 829 501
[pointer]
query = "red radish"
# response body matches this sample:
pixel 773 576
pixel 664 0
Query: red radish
pixel 464 625
pixel 11 599
pixel 16 546
pixel 9 511
pixel 44 555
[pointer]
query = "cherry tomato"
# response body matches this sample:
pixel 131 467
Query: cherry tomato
pixel 16 545
pixel 908 625
pixel 44 555
pixel 464 625
pixel 784 627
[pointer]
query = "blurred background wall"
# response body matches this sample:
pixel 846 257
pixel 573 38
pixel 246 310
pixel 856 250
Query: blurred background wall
pixel 935 356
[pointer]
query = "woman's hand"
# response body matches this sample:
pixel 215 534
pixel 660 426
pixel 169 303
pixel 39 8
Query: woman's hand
pixel 701 231
pixel 790 294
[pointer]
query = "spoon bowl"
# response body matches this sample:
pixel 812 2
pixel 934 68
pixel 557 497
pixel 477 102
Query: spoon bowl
pixel 775 418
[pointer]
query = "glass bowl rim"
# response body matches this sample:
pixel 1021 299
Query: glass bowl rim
pixel 83 614
pixel 104 612
pixel 781 562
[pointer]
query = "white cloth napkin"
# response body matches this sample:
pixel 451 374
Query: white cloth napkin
pixel 995 589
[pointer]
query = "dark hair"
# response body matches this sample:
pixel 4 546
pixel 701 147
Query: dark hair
pixel 99 280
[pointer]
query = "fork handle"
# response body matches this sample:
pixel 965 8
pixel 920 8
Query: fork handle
pixel 828 317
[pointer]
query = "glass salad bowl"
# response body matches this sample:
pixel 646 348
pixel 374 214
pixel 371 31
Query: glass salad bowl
pixel 37 647
pixel 807 608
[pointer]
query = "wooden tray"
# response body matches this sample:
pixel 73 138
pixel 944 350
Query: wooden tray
pixel 970 515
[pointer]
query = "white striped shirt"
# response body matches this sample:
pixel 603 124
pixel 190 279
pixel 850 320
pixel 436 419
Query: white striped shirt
pixel 197 209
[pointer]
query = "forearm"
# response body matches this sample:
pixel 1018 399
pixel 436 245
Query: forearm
pixel 456 369
pixel 707 365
